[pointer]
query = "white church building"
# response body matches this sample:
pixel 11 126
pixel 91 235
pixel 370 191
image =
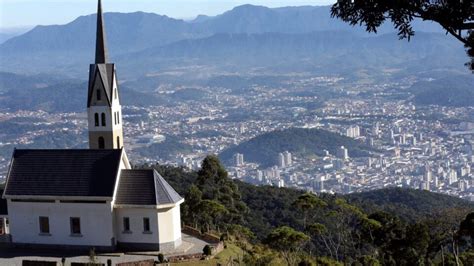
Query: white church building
pixel 91 197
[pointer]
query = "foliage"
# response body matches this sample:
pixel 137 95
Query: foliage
pixel 456 17
pixel 207 250
pixel 161 258
pixel 212 180
pixel 288 241
pixel 308 202
pixel 411 205
pixel 390 226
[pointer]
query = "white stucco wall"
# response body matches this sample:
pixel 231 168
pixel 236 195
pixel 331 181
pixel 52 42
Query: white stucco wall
pixel 96 223
pixel 136 234
pixel 165 225
pixel 169 224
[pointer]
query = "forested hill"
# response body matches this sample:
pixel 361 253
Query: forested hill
pixel 409 204
pixel 264 149
pixel 453 91
pixel 272 206
pixel 392 226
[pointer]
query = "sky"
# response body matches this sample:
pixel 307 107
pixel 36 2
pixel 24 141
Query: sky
pixel 21 13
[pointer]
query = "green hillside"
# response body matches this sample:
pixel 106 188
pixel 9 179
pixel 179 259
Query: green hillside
pixel 391 226
pixel 264 149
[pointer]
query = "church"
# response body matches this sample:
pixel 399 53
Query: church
pixel 91 197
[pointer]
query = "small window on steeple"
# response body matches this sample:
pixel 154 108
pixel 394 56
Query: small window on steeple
pixel 96 118
pixel 99 97
pixel 103 120
pixel 115 93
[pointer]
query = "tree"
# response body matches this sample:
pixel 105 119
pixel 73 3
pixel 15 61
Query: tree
pixel 467 226
pixel 306 203
pixel 288 241
pixel 455 16
pixel 210 211
pixel 207 250
pixel 214 184
pixel 191 205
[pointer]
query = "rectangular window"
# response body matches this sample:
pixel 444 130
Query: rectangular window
pixel 44 225
pixel 99 97
pixel 146 225
pixel 126 224
pixel 75 226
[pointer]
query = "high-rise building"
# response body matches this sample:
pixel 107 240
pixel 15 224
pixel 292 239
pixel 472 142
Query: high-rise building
pixel 353 132
pixel 343 153
pixel 281 160
pixel 452 177
pixel 288 158
pixel 428 174
pixel 238 159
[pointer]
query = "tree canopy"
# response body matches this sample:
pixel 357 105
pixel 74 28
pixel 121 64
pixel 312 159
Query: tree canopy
pixel 455 16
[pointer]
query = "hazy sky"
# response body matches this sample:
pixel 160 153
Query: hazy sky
pixel 17 13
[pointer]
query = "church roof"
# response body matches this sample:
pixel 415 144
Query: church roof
pixel 68 173
pixel 144 187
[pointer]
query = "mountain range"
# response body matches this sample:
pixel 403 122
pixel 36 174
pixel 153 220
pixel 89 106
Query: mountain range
pixel 246 36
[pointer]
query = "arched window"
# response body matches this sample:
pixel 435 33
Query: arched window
pixel 115 118
pixel 99 97
pixel 103 120
pixel 96 119
pixel 118 142
pixel 101 143
pixel 118 117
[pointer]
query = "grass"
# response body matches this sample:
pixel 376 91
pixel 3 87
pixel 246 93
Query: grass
pixel 232 252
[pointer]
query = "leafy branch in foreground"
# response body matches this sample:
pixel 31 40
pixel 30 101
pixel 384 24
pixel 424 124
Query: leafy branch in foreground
pixel 455 16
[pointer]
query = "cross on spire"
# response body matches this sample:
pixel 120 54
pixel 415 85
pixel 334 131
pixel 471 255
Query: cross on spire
pixel 101 53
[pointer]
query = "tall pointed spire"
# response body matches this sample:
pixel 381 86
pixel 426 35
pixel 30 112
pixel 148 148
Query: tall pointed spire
pixel 101 54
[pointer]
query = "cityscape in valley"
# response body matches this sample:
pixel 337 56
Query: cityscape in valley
pixel 406 144
pixel 260 136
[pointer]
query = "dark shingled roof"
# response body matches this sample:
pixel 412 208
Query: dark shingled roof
pixel 3 204
pixel 83 173
pixel 144 187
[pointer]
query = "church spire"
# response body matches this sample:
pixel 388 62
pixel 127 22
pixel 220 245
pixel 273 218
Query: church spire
pixel 101 54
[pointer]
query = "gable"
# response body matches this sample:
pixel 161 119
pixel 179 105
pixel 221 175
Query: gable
pixel 63 173
pixel 101 76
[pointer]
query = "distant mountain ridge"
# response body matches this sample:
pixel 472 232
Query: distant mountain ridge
pixel 62 48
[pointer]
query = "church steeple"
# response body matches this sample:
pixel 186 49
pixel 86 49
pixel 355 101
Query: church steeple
pixel 101 53
pixel 103 102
